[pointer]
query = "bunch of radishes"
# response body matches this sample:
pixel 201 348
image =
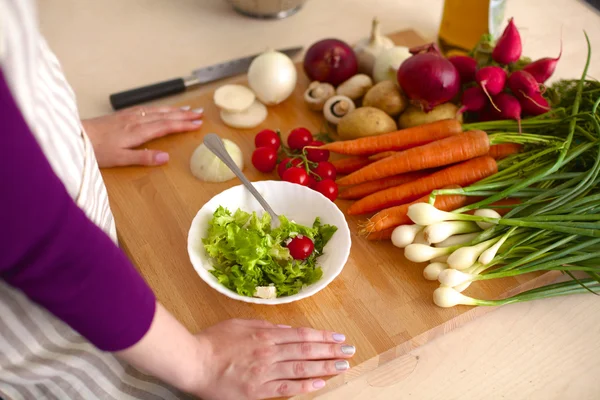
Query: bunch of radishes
pixel 498 94
pixel 299 162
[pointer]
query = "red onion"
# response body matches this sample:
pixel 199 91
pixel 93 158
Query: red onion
pixel 466 66
pixel 330 60
pixel 428 78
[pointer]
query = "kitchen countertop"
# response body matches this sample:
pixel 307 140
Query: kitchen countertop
pixel 537 350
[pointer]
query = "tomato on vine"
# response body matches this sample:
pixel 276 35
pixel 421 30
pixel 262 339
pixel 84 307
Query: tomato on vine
pixel 298 138
pixel 287 163
pixel 296 175
pixel 325 170
pixel 317 155
pixel 267 138
pixel 327 188
pixel 264 159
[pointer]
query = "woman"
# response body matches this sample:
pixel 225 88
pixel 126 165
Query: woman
pixel 76 319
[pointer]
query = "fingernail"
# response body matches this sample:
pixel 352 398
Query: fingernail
pixel 319 383
pixel 342 365
pixel 197 122
pixel 198 110
pixel 185 108
pixel 348 349
pixel 338 337
pixel 161 158
pixel 284 326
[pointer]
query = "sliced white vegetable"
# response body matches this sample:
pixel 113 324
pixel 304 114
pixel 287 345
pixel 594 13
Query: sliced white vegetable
pixel 266 292
pixel 233 98
pixel 207 167
pixel 486 212
pixel 432 271
pixel 387 63
pixel 404 235
pixel 247 119
pixel 272 76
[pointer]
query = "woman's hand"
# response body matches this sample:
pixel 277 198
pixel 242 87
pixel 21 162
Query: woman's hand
pixel 250 359
pixel 115 136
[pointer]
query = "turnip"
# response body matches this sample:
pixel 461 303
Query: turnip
pixel 466 67
pixel 508 47
pixel 492 80
pixel 543 68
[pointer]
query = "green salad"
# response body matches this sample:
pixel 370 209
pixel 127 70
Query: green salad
pixel 252 259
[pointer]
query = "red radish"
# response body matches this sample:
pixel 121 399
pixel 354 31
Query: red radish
pixel 522 83
pixel 492 80
pixel 535 104
pixel 508 47
pixel 330 60
pixel 428 78
pixel 543 68
pixel 466 67
pixel 509 106
pixel 473 99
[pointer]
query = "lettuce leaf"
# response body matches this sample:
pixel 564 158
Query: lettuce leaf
pixel 247 253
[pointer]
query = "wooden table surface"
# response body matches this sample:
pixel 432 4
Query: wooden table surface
pixel 533 350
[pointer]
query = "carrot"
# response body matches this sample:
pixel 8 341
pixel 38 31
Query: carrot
pixel 380 156
pixel 446 151
pixel 397 140
pixel 385 234
pixel 392 217
pixel 366 188
pixel 503 150
pixel 461 174
pixel 348 165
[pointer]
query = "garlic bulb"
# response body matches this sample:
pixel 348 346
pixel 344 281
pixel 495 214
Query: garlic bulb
pixel 367 49
pixel 387 63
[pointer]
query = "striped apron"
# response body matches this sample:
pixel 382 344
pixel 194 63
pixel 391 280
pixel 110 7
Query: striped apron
pixel 40 356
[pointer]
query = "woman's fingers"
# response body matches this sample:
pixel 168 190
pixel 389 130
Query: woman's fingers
pixel 144 157
pixel 163 127
pixel 148 110
pixel 287 388
pixel 313 351
pixel 173 115
pixel 297 335
pixel 307 369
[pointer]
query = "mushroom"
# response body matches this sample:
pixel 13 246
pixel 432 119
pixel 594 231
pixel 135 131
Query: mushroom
pixel 317 94
pixel 355 87
pixel 336 107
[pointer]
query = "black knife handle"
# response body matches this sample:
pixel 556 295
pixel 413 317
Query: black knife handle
pixel 146 93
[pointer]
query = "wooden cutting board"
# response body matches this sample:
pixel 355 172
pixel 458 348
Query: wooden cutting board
pixel 380 301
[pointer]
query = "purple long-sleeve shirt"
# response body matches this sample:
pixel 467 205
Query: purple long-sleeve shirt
pixel 58 257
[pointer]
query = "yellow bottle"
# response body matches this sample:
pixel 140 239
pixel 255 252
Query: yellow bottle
pixel 465 21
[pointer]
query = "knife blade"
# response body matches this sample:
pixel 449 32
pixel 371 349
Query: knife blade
pixel 178 85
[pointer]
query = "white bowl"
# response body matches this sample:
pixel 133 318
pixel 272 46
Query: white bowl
pixel 298 203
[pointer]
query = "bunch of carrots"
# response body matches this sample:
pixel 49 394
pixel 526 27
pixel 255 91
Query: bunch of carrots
pixel 385 174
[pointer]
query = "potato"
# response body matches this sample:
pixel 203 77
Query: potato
pixel 414 116
pixel 363 122
pixel 387 97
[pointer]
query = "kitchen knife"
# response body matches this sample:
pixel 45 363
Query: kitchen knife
pixel 199 76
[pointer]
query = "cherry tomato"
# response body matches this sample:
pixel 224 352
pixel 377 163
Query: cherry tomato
pixel 267 138
pixel 311 181
pixel 264 159
pixel 296 175
pixel 301 247
pixel 325 170
pixel 327 188
pixel 287 163
pixel 316 155
pixel 299 138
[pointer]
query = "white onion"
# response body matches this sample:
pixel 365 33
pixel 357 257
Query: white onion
pixel 417 252
pixel 463 286
pixel 441 231
pixel 458 239
pixel 448 297
pixel 206 166
pixel 272 76
pixel 489 213
pixel 233 98
pixel 432 271
pixel 404 235
pixel 247 119
pixel 387 63
pixel 487 256
pixel 452 277
pixel 426 214
pixel 465 257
